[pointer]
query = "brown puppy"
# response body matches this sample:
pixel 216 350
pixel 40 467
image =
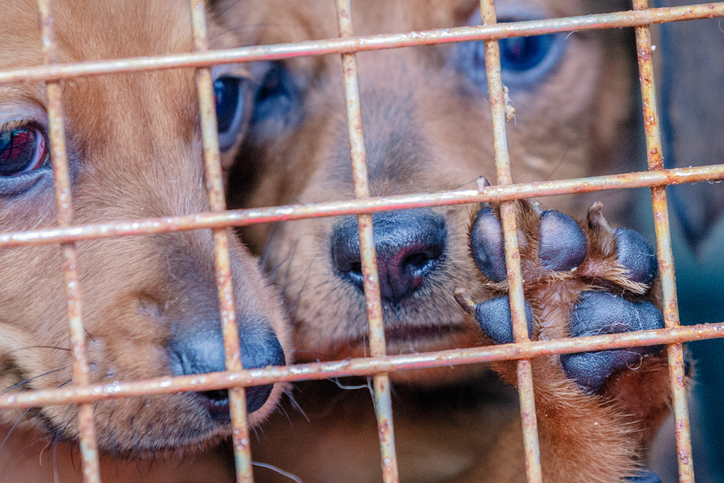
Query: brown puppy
pixel 150 303
pixel 427 121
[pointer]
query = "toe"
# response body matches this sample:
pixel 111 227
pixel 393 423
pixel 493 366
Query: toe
pixel 604 313
pixel 561 242
pixel 590 369
pixel 495 319
pixel 636 255
pixel 486 244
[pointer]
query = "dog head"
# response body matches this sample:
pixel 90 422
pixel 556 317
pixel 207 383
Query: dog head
pixel 150 303
pixel 427 128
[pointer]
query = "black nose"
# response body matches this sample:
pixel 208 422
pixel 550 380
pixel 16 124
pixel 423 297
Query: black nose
pixel 409 244
pixel 200 350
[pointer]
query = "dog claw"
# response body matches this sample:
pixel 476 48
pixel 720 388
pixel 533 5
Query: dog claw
pixel 536 207
pixel 462 298
pixel 596 220
pixel 482 183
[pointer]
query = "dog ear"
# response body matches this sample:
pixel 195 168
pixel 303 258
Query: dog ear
pixel 691 98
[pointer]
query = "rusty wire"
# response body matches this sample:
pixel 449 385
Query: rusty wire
pixel 378 365
pixel 664 253
pixel 215 189
pixel 251 216
pixel 359 367
pixel 524 368
pixel 368 255
pixel 64 207
pixel 367 43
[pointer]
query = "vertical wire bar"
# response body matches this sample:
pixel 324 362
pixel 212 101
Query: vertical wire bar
pixel 383 404
pixel 215 188
pixel 63 201
pixel 512 254
pixel 655 160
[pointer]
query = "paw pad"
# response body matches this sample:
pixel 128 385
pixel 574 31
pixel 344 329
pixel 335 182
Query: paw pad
pixel 495 319
pixel 561 242
pixel 599 313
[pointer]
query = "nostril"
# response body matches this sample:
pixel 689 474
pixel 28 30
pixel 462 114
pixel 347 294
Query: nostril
pixel 220 395
pixel 216 403
pixel 419 263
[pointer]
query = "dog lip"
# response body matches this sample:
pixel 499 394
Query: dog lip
pixel 421 332
pixel 409 333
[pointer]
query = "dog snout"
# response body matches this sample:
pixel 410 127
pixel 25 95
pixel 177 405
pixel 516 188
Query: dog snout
pixel 410 245
pixel 201 351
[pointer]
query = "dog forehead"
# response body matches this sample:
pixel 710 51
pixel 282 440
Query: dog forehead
pixel 297 20
pixel 100 30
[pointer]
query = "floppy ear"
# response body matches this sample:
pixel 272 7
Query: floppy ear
pixel 692 112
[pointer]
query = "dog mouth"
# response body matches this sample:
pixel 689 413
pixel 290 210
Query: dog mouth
pixel 414 338
pixel 421 333
pixel 216 403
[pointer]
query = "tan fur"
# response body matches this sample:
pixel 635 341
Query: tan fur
pixel 135 152
pixel 428 129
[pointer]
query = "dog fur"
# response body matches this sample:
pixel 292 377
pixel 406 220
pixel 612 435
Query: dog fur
pixel 426 123
pixel 135 152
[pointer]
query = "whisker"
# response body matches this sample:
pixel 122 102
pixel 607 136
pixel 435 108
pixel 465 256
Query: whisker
pixel 7 436
pixel 291 476
pixel 30 379
pixel 38 347
pixel 342 386
pixel 298 406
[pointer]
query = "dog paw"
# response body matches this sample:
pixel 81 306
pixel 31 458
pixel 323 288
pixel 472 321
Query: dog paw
pixel 578 280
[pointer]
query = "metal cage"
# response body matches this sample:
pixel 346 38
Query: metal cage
pixel 378 365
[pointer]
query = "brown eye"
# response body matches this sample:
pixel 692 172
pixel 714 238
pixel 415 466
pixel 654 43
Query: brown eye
pixel 22 149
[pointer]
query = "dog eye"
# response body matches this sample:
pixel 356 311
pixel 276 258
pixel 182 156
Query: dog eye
pixel 524 53
pixel 524 61
pixel 277 103
pixel 230 103
pixel 22 149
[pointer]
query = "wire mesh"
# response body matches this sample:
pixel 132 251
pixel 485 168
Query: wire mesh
pixel 379 365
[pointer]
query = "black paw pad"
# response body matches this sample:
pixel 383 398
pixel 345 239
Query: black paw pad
pixel 599 313
pixel 561 242
pixel 645 476
pixel 486 243
pixel 495 319
pixel 637 255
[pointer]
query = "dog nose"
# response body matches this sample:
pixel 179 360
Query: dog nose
pixel 201 350
pixel 410 244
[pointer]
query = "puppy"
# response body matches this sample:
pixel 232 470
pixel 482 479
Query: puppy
pixel 150 303
pixel 427 128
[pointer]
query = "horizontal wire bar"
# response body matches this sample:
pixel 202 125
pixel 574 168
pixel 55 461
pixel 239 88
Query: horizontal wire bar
pixel 250 216
pixel 366 43
pixel 360 366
